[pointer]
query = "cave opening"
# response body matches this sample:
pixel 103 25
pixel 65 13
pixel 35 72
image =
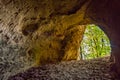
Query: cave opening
pixel 95 43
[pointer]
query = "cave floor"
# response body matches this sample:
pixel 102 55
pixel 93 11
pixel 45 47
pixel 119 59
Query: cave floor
pixel 96 69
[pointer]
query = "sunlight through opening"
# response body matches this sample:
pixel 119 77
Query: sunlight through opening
pixel 95 43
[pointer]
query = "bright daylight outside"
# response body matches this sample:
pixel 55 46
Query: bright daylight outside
pixel 95 43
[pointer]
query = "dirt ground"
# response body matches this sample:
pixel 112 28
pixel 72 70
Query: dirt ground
pixel 96 69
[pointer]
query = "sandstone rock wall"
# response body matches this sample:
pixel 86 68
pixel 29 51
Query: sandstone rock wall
pixel 29 28
pixel 39 32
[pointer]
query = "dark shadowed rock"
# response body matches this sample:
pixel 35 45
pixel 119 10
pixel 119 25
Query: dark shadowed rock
pixel 38 32
pixel 97 69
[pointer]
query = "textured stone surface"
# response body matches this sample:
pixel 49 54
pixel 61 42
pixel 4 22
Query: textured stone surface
pixel 40 31
pixel 97 69
pixel 36 32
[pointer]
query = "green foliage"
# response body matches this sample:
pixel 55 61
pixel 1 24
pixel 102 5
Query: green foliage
pixel 95 43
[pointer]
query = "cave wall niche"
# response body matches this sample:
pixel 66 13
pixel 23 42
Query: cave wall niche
pixel 55 46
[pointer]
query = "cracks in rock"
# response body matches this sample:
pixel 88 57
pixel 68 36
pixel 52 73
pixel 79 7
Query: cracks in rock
pixel 74 10
pixel 77 7
pixel 29 29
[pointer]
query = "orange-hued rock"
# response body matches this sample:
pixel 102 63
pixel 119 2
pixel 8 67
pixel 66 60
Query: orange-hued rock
pixel 42 31
pixel 38 32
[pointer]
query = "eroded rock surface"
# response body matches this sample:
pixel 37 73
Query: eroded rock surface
pixel 37 32
pixel 97 69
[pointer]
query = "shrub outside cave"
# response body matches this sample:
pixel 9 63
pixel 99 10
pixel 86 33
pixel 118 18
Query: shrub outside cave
pixel 95 43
